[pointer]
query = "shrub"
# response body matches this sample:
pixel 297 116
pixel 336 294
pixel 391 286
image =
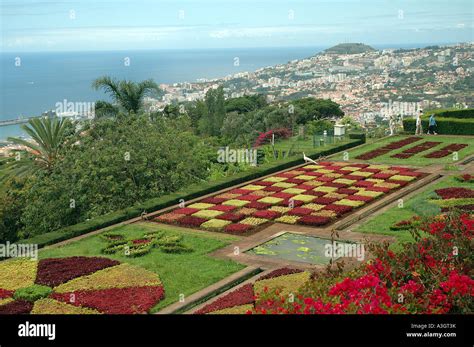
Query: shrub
pixel 215 224
pixel 314 220
pixel 237 228
pixel 32 293
pixel 449 122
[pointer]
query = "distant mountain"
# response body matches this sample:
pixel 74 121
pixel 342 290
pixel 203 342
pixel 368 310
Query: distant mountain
pixel 349 48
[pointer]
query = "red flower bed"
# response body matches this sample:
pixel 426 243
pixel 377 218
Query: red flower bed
pixel 324 201
pixel 326 179
pixel 240 191
pixel 273 189
pixel 347 191
pixel 382 176
pixel 16 307
pixel 294 180
pixel 360 198
pixel 231 217
pixel 455 193
pixel 115 300
pixel 4 293
pixel 339 209
pixel 336 185
pixel 401 183
pixel 224 208
pixel 258 205
pixel 364 184
pixel 304 186
pixel 279 272
pixel 465 178
pixel 186 211
pixel 267 214
pixel 352 177
pixel 54 271
pixel 140 241
pixel 378 189
pixel 213 200
pixel 447 150
pixel 416 149
pixel 191 221
pixel 300 211
pixel 315 193
pixel 237 228
pixel 288 202
pixel 314 220
pixel 455 147
pixel 282 195
pixel 242 296
pixel 387 148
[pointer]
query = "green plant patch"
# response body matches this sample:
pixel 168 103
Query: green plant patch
pixel 32 293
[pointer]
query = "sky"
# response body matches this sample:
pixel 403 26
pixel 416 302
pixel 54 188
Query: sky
pixel 48 25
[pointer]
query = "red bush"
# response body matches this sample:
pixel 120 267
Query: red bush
pixel 273 189
pixel 241 296
pixel 324 201
pixel 455 193
pixel 237 228
pixel 223 208
pixel 299 211
pixel 54 271
pixel 279 272
pixel 339 209
pixel 191 221
pixel 16 307
pixel 213 200
pixel 314 220
pixel 267 214
pixel 347 191
pixel 266 137
pixel 249 197
pixel 186 211
pixel 231 217
pixel 258 205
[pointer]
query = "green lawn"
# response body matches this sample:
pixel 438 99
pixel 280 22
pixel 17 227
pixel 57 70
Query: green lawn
pixel 184 273
pixel 418 159
pixel 417 205
pixel 299 145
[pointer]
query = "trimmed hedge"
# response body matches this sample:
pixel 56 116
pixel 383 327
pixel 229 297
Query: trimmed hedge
pixel 449 122
pixel 190 193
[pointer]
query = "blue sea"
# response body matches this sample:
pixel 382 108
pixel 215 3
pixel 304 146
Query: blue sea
pixel 43 79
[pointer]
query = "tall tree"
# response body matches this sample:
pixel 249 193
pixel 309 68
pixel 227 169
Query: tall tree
pixel 48 136
pixel 127 96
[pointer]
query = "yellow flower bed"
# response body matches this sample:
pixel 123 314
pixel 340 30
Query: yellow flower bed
pixel 200 205
pixel 325 213
pixel 314 183
pixel 207 214
pixel 296 172
pixel 287 219
pixel 281 209
pixel 227 196
pixel 6 301
pixel 51 306
pixel 288 284
pixel 261 193
pixel 275 179
pixel 238 203
pixel 119 276
pixel 304 198
pixel 346 202
pixel 254 221
pixel 351 168
pixel 313 167
pixel 253 187
pixel 270 200
pixel 389 172
pixel 335 195
pixel 284 185
pixel 402 178
pixel 369 193
pixel 325 189
pixel 378 167
pixel 17 273
pixel 246 211
pixel 376 180
pixel 314 207
pixel 215 224
pixel 305 177
pixel 387 185
pixel 333 175
pixel 241 309
pixel 293 191
pixel 324 171
pixel 362 173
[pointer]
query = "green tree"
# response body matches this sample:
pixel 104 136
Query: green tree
pixel 127 96
pixel 48 136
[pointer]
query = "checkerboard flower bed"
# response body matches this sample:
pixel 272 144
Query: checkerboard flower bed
pixel 387 148
pixel 410 152
pixel 447 150
pixel 77 285
pixel 288 196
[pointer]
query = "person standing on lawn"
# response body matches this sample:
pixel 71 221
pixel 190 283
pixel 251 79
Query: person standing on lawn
pixel 432 125
pixel 419 127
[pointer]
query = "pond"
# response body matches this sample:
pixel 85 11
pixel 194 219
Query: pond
pixel 296 247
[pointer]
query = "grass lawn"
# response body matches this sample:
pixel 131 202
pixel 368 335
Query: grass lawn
pixel 417 205
pixel 418 159
pixel 184 273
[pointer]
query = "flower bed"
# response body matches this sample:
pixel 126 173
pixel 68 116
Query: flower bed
pixel 447 150
pixel 426 274
pixel 387 148
pixel 410 152
pixel 459 198
pixel 77 285
pixel 247 297
pixel 288 196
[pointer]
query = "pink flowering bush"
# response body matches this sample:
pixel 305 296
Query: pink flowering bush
pixel 430 275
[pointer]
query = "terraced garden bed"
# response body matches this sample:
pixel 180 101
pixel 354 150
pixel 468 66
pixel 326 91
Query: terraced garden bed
pixel 313 195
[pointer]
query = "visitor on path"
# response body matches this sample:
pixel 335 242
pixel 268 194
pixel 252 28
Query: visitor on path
pixel 419 127
pixel 391 124
pixel 432 125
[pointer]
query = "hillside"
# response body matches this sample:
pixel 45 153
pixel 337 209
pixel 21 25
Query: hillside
pixel 349 48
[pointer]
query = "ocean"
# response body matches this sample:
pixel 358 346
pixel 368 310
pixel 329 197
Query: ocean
pixel 43 79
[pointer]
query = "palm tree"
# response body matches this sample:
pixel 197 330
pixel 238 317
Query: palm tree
pixel 126 95
pixel 48 135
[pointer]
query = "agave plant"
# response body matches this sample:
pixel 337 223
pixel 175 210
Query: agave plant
pixel 42 151
pixel 127 96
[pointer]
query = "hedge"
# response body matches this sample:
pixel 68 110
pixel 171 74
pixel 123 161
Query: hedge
pixel 449 122
pixel 191 192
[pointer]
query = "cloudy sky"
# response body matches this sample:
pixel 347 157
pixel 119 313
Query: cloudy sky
pixel 48 25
